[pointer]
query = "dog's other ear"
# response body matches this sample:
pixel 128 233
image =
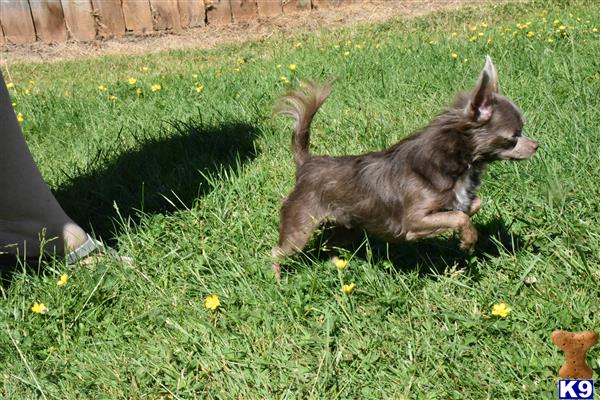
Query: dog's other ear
pixel 481 105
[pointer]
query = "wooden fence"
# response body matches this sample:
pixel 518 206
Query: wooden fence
pixel 26 21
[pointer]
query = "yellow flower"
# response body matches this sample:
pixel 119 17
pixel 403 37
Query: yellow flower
pixel 298 44
pixel 278 66
pixel 530 34
pixel 64 278
pixel 348 288
pixel 10 85
pixel 283 79
pixel 483 25
pixel 556 22
pixel 145 69
pixel 480 33
pixel 113 98
pixel 473 28
pixel 346 53
pixel 473 39
pixel 20 117
pixel 156 87
pixel 138 91
pixel 550 40
pixel 594 29
pixel 561 28
pixel 501 310
pixel 340 263
pixel 27 92
pixel 131 81
pixel 237 69
pixel 102 88
pixel 292 67
pixel 454 56
pixel 14 104
pixel 212 302
pixel 199 88
pixel 194 76
pixel 31 82
pixel 454 34
pixel 39 308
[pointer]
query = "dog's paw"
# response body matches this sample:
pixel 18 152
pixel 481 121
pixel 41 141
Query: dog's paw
pixel 468 239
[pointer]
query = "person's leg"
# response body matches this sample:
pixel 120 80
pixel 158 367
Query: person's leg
pixel 28 210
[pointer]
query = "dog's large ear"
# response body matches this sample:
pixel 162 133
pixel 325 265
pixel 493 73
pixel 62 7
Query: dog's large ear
pixel 481 105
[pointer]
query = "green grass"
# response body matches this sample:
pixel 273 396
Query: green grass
pixel 189 184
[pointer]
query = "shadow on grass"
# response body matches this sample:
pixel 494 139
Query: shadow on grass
pixel 159 175
pixel 428 257
pixel 163 175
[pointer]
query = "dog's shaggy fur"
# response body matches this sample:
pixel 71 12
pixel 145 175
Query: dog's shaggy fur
pixel 422 186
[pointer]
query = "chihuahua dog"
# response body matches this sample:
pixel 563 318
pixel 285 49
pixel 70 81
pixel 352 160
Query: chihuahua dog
pixel 422 186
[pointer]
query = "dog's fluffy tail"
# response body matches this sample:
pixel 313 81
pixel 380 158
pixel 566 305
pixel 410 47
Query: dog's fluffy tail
pixel 302 104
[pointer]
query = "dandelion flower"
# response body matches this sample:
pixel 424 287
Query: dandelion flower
pixel 348 288
pixel 14 104
pixel 480 34
pixel 473 28
pixel 501 310
pixel 199 88
pixel 31 82
pixel 20 117
pixel 483 25
pixel 27 92
pixel 113 98
pixel 212 302
pixel 102 88
pixel 138 91
pixel 10 85
pixel 131 81
pixel 530 34
pixel 340 263
pixel 454 56
pixel 292 67
pixel 62 281
pixel 556 22
pixel 39 308
pixel 156 87
pixel 283 79
pixel 594 29
pixel 145 69
pixel 346 53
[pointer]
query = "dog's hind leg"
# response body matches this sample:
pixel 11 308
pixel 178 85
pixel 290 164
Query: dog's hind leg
pixel 298 222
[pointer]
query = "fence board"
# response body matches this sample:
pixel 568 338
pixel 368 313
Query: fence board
pixel 79 19
pixel 219 12
pixel 269 8
pixel 165 15
pixel 295 5
pixel 109 18
pixel 16 21
pixel 49 20
pixel 137 16
pixel 192 13
pixel 243 10
pixel 322 4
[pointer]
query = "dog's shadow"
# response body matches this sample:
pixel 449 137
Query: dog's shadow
pixel 428 257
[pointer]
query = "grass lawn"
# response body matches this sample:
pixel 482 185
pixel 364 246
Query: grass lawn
pixel 187 179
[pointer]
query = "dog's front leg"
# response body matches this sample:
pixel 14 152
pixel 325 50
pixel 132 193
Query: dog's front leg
pixel 440 222
pixel 475 206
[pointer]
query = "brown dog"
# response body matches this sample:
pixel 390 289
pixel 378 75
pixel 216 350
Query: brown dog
pixel 422 186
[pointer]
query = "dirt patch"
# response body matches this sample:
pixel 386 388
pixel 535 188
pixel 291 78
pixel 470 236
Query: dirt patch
pixel 209 36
